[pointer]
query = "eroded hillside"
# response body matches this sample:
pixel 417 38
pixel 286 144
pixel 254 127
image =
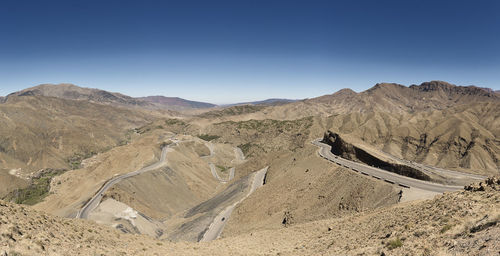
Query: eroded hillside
pixel 44 132
pixel 464 138
pixel 308 205
pixel 462 223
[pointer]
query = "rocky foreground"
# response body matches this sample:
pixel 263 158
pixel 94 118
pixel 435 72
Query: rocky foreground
pixel 460 223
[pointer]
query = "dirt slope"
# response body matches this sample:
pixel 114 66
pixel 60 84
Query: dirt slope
pixel 183 183
pixel 302 187
pixel 70 190
pixel 464 138
pixel 42 132
pixel 459 223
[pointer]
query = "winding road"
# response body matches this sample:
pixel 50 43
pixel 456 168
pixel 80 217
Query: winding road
pixel 217 226
pixel 443 173
pixel 239 156
pixel 390 177
pixel 216 175
pixel 96 199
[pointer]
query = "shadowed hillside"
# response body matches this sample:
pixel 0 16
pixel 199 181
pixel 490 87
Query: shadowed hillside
pixel 463 137
pixel 175 103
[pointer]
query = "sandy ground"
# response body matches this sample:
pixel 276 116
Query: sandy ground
pixel 9 182
pixel 412 194
pixel 123 217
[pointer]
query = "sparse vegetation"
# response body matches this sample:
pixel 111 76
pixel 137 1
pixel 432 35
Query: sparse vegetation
pixel 271 124
pixel 233 111
pixel 222 168
pixel 208 137
pixel 173 125
pixel 245 148
pixel 174 122
pixel 446 228
pixel 128 137
pixel 393 244
pixel 75 162
pixel 37 190
pixel 262 136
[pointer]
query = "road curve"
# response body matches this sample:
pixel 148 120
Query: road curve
pixel 239 154
pixel 217 226
pixel 96 199
pixel 325 152
pixel 210 147
pixel 213 170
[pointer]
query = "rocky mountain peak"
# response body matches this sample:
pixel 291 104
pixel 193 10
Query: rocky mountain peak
pixel 433 86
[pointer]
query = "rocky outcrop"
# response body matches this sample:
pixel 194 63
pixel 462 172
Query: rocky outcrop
pixel 490 184
pixel 450 89
pixel 348 151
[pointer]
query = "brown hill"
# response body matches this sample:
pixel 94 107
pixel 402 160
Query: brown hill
pixel 73 92
pixel 435 123
pixel 38 132
pixel 383 97
pixel 464 137
pixel 391 97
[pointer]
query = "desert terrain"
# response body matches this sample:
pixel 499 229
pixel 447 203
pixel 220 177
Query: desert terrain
pixel 385 171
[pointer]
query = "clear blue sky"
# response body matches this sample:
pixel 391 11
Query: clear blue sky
pixel 239 50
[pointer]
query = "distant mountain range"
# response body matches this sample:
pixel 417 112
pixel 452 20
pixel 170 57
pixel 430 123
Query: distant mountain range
pixel 392 97
pixel 384 96
pixel 267 102
pixel 73 92
pixel 169 102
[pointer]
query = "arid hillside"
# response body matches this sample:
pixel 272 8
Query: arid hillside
pixel 459 223
pixel 302 187
pixel 42 137
pixel 396 98
pixel 307 205
pixel 44 132
pixel 73 92
pixel 383 97
pixel 70 190
pixel 465 138
pixel 434 123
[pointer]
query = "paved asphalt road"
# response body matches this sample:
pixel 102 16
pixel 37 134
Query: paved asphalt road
pixel 96 199
pixel 217 226
pixel 387 176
